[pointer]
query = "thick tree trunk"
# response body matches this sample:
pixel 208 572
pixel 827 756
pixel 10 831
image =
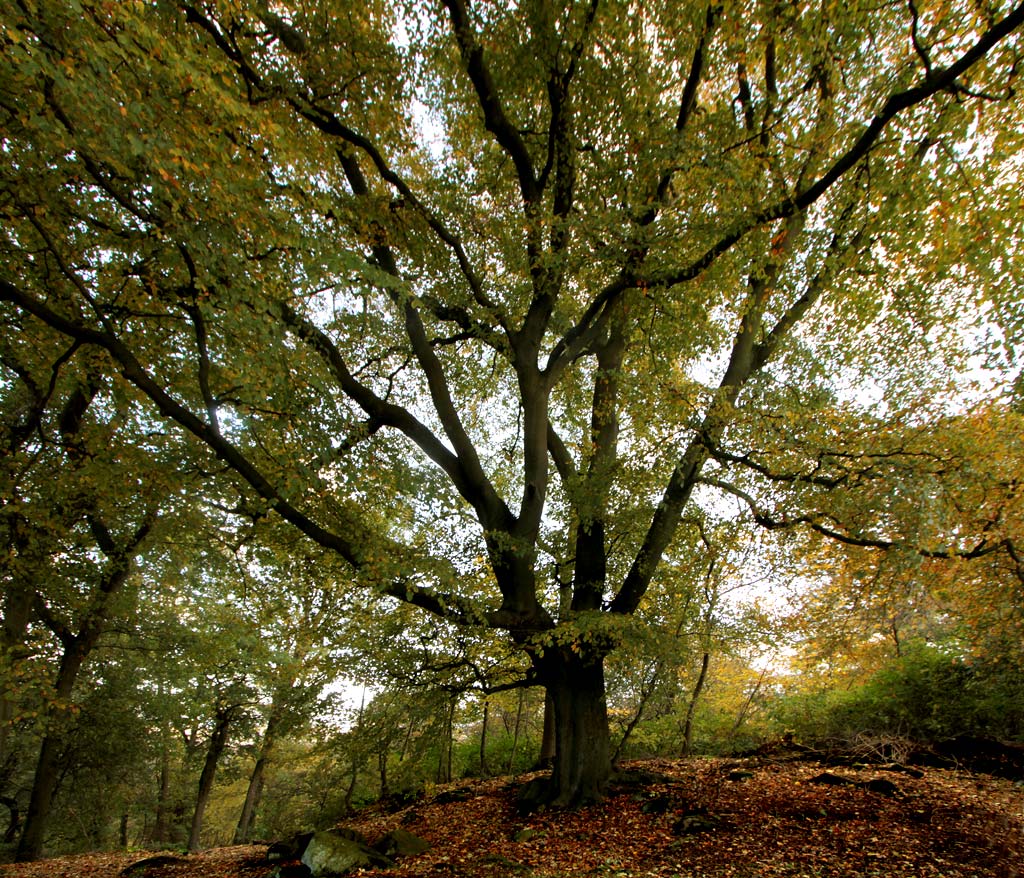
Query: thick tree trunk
pixel 582 764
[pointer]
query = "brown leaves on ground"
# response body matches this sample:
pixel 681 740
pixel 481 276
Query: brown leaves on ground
pixel 945 824
pixel 240 861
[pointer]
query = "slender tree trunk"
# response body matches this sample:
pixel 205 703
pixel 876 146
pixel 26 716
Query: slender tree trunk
pixel 354 777
pixel 253 794
pixel 352 780
pixel 382 771
pixel 76 647
pixel 17 609
pixel 218 741
pixel 691 708
pixel 406 739
pixel 161 826
pixel 444 762
pixel 439 777
pixel 515 731
pixel 484 770
pixel 547 740
pixel 896 638
pixel 741 717
pixel 15 820
pixel 450 736
pixel 44 784
pixel 255 789
pixel 646 691
pixel 6 717
pixel 582 766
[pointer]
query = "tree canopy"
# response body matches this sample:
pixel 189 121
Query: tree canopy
pixel 497 303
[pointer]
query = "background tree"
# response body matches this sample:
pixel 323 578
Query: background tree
pixel 88 486
pixel 515 287
pixel 907 644
pixel 291 592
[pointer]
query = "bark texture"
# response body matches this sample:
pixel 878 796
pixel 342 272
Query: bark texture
pixel 582 765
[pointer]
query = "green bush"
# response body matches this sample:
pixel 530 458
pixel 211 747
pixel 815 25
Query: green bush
pixel 927 695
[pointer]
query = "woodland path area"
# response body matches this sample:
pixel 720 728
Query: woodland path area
pixel 700 818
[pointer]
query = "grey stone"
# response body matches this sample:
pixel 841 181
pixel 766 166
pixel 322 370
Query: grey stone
pixel 330 854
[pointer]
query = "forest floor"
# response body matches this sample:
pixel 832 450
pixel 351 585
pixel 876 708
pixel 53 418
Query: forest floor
pixel 691 821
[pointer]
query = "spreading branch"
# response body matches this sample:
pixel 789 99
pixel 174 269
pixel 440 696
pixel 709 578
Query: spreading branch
pixel 818 523
pixel 495 120
pixel 932 84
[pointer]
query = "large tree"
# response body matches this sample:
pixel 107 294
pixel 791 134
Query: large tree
pixel 483 296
